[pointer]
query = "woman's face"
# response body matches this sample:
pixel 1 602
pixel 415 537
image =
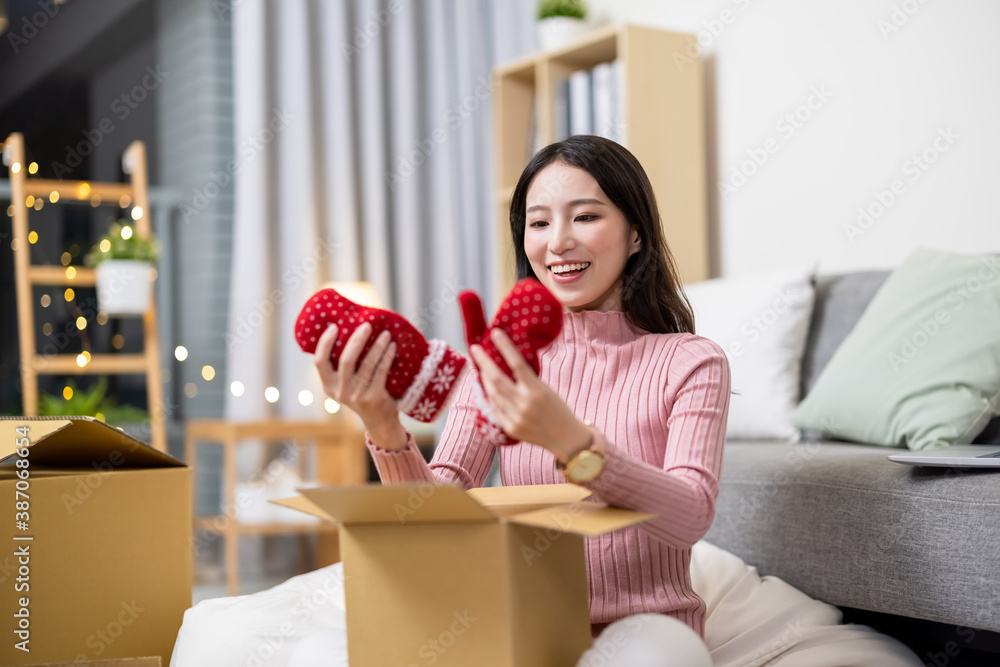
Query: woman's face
pixel 571 224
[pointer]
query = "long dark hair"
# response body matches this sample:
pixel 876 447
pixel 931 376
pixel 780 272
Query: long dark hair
pixel 652 297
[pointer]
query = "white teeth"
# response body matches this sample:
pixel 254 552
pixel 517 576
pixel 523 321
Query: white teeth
pixel 569 267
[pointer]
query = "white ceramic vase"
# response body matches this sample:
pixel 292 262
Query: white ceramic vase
pixel 124 286
pixel 556 32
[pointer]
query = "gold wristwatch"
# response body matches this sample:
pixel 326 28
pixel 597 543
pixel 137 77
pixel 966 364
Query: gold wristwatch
pixel 585 466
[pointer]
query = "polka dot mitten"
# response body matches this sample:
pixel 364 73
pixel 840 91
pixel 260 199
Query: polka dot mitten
pixel 424 374
pixel 531 317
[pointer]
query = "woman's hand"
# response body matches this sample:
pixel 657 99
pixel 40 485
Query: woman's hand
pixel 527 408
pixel 362 389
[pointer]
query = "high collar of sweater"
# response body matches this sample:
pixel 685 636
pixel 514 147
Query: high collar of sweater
pixel 590 326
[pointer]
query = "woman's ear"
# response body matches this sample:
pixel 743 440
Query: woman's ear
pixel 636 243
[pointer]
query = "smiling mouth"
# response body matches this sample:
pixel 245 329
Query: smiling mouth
pixel 569 269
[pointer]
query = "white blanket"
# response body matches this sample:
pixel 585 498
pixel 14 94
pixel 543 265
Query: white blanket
pixel 752 621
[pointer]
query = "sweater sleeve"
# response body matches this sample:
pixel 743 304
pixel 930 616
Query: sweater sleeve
pixel 682 491
pixel 462 455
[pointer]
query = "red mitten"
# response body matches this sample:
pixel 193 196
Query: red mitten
pixel 531 317
pixel 422 376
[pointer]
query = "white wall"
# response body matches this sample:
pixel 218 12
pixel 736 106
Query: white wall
pixel 891 93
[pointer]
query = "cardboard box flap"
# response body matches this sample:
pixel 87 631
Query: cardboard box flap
pixel 397 503
pixel 587 519
pixel 510 500
pixel 123 662
pixel 302 504
pixel 78 442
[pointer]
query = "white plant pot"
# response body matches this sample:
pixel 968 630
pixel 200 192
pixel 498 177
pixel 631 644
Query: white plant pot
pixel 556 32
pixel 124 286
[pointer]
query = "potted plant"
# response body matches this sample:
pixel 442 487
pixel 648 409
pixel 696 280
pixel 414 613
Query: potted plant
pixel 92 402
pixel 124 267
pixel 560 22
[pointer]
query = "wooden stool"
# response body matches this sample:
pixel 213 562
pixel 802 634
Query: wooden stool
pixel 341 458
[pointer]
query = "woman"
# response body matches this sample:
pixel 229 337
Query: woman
pixel 585 223
pixel 629 403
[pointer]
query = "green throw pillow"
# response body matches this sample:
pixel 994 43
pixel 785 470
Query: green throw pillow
pixel 922 366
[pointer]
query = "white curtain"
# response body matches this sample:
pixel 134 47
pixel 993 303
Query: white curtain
pixel 364 152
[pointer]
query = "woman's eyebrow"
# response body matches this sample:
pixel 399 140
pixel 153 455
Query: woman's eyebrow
pixel 575 202
pixel 587 202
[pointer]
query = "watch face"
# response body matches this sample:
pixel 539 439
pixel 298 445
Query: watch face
pixel 586 466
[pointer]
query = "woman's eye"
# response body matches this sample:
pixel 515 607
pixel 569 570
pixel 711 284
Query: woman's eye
pixel 537 223
pixel 586 217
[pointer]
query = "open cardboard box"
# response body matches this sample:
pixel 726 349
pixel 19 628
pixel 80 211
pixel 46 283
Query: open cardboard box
pixel 493 577
pixel 96 561
pixel 124 662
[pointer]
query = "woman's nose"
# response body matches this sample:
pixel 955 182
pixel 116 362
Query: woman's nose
pixel 561 238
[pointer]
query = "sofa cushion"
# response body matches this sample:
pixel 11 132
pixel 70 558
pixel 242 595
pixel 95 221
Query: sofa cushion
pixel 841 300
pixel 761 322
pixel 922 366
pixel 844 524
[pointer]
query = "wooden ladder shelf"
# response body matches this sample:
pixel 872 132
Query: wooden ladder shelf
pixel 28 276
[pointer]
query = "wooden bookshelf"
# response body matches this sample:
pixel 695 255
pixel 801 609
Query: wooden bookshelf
pixel 664 119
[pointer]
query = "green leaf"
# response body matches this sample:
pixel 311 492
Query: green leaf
pixel 90 403
pixel 144 250
pixel 573 8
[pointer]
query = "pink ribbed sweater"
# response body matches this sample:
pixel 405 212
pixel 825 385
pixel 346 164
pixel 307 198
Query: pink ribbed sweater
pixel 661 402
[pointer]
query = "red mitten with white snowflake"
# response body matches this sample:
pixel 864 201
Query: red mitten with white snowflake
pixel 531 317
pixel 422 376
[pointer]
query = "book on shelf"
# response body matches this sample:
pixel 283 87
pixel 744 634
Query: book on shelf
pixel 587 102
pixel 534 137
pixel 618 125
pixel 561 109
pixel 604 101
pixel 581 102
pixel 591 102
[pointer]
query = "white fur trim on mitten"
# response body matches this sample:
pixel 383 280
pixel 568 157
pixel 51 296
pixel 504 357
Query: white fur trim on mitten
pixel 432 388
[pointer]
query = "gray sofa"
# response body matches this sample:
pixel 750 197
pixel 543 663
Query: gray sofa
pixel 914 549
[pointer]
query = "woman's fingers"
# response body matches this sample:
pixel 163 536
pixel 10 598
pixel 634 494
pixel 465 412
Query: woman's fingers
pixel 350 354
pixel 321 357
pixel 357 384
pixel 384 364
pixel 498 387
pixel 366 373
pixel 515 360
pixel 488 370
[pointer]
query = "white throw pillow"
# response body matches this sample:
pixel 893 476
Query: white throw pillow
pixel 761 322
